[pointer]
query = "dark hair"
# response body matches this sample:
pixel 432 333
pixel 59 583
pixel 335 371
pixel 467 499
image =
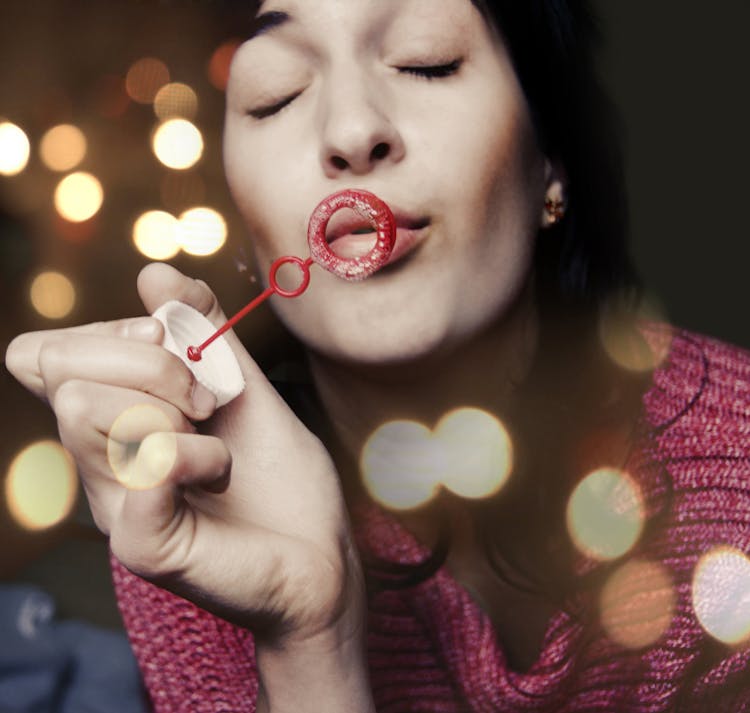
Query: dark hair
pixel 552 44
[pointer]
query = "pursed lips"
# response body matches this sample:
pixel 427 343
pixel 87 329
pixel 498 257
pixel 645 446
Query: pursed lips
pixel 352 236
pixel 346 223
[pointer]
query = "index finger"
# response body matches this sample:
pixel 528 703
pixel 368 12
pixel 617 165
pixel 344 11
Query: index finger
pixel 22 355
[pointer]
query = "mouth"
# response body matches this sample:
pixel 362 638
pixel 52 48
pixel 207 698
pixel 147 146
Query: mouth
pixel 351 236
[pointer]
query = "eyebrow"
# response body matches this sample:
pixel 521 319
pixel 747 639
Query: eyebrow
pixel 267 21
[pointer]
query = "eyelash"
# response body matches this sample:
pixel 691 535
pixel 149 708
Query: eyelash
pixel 437 71
pixel 267 111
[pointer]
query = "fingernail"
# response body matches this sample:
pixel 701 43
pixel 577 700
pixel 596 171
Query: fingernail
pixel 145 328
pixel 204 400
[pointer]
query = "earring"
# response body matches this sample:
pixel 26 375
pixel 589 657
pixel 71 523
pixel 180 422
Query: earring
pixel 555 210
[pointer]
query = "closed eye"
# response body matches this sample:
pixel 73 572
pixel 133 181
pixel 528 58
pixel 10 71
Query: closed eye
pixel 436 71
pixel 266 111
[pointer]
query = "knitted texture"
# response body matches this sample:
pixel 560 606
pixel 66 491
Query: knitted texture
pixel 431 647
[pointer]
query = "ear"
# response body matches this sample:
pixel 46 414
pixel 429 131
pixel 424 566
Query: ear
pixel 555 193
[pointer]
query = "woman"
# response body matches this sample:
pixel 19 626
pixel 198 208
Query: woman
pixel 482 125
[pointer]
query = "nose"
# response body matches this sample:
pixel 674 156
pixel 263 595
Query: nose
pixel 358 133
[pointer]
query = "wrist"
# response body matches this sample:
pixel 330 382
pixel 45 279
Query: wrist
pixel 327 672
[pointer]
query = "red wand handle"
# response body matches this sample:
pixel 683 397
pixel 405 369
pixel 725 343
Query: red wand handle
pixel 196 353
pixel 371 208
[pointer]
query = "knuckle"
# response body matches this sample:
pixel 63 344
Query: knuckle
pixel 15 359
pixel 135 558
pixel 51 356
pixel 185 384
pixel 22 362
pixel 142 556
pixel 46 356
pixel 72 404
pixel 162 367
pixel 100 516
pixel 168 374
pixel 101 524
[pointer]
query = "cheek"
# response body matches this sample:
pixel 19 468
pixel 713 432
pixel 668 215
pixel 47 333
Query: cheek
pixel 487 151
pixel 259 183
pixel 506 160
pixel 495 214
pixel 510 187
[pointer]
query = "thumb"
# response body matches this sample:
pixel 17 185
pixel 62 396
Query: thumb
pixel 158 283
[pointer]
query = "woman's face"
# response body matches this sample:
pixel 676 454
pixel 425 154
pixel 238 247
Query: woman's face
pixel 417 102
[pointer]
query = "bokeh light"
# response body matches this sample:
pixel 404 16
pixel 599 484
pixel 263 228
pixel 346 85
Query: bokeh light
pixel 14 149
pixel 176 100
pixel 178 144
pixel 478 453
pixel 53 295
pixel 145 78
pixel 155 235
pixel 721 594
pixel 605 514
pixel 637 604
pixel 142 447
pixel 220 62
pixel 63 147
pixel 203 231
pixel 404 463
pixel 78 197
pixel 400 464
pixel 41 485
pixel 624 341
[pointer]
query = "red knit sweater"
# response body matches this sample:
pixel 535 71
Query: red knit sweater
pixel 432 649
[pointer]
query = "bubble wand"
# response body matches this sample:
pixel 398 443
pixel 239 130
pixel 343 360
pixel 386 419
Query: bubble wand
pixel 182 322
pixel 366 204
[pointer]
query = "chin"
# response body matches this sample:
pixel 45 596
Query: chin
pixel 381 345
pixel 367 324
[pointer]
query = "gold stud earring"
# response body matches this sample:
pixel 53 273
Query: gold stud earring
pixel 555 210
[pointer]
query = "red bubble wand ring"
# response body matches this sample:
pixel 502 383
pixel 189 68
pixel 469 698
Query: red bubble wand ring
pixel 366 204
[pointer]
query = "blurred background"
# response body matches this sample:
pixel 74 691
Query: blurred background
pixel 110 157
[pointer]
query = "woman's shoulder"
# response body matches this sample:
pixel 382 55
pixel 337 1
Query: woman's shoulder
pixel 699 382
pixel 697 448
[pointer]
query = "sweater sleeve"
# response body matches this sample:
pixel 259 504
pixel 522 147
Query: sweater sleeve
pixel 190 659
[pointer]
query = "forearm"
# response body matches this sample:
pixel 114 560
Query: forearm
pixel 323 675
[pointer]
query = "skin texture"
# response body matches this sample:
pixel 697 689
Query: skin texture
pixel 250 521
pixel 458 151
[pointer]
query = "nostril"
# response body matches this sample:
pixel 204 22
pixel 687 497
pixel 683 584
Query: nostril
pixel 339 163
pixel 380 151
pixel 358 159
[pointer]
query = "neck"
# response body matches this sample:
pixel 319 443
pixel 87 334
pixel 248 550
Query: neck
pixel 483 372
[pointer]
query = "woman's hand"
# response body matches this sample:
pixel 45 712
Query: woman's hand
pixel 249 520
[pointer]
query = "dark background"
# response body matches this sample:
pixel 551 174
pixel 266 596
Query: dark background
pixel 678 71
